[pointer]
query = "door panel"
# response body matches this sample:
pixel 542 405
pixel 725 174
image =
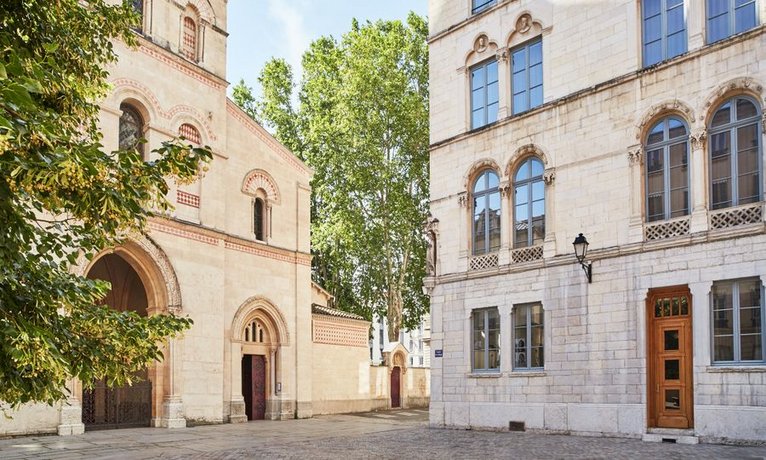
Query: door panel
pixel 395 386
pixel 259 387
pixel 669 373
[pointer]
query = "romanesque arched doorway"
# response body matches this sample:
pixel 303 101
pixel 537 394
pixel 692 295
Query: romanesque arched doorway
pixel 258 334
pixel 127 406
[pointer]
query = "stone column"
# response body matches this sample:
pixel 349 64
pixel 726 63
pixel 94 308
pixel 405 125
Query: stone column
pixel 237 413
pixel 464 230
pixel 70 421
pixel 636 222
pixel 549 244
pixel 503 83
pixel 698 183
pixel 172 405
pixel 506 223
pixel 701 323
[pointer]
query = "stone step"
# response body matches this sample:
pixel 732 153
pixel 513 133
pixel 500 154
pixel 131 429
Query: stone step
pixel 673 435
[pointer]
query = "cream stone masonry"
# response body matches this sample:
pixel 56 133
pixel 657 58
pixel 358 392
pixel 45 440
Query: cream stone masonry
pixel 234 255
pixel 598 372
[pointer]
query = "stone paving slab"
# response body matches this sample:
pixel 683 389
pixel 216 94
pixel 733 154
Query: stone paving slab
pixel 384 435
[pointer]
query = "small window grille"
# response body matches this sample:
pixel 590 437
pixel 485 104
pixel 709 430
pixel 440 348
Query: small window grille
pixel 190 133
pixel 189 46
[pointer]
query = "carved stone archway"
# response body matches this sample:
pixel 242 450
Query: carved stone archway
pixel 163 295
pixel 257 314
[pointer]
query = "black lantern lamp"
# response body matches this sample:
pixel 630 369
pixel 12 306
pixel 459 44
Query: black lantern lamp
pixel 581 249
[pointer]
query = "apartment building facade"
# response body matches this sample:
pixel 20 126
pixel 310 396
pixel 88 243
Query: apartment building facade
pixel 639 124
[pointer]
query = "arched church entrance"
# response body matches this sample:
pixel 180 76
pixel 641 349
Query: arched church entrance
pixel 127 406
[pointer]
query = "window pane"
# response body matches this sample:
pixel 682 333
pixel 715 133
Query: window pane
pixel 519 82
pixel 477 99
pixel 750 293
pixel 477 77
pixel 537 357
pixel 651 7
pixel 655 207
pixel 744 18
pixel 535 97
pixel 535 75
pixel 477 118
pixel 519 60
pixel 750 320
pixel 538 208
pixel 522 194
pixel 536 319
pixel 537 167
pixel 536 53
pixel 679 203
pixel 723 348
pixel 652 29
pixel 717 7
pixel 657 134
pixel 492 72
pixel 538 190
pixel 492 180
pixel 676 44
pixel 722 116
pixel 478 360
pixel 492 113
pixel 750 348
pixel 492 93
pixel 745 109
pixel 652 53
pixel 718 28
pixel 519 103
pixel 522 173
pixel 675 18
pixel 676 128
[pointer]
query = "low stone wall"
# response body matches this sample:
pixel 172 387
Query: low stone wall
pixel 28 419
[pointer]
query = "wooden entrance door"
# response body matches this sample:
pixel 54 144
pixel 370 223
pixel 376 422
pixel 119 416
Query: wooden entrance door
pixel 396 374
pixel 254 386
pixel 670 395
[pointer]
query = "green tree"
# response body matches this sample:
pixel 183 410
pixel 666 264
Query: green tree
pixel 362 125
pixel 62 195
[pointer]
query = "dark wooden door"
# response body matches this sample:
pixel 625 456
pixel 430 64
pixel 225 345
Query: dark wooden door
pixel 669 374
pixel 254 386
pixel 396 374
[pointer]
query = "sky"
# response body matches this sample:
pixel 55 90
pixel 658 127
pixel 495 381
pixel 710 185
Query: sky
pixel 262 29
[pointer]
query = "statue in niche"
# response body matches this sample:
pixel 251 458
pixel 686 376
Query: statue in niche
pixel 431 231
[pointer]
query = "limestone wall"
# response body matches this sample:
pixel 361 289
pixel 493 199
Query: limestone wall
pixel 28 419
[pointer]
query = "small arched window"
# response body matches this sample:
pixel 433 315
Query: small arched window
pixel 190 133
pixel 667 170
pixel 529 204
pixel 254 332
pixel 486 213
pixel 735 160
pixel 189 41
pixel 131 129
pixel 259 219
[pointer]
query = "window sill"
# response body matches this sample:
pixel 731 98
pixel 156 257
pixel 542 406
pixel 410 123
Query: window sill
pixel 736 368
pixel 530 373
pixel 484 375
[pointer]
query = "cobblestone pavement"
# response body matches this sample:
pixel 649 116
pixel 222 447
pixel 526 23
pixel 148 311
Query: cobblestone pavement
pixel 394 434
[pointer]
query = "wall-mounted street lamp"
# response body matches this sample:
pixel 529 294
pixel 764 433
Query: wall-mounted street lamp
pixel 581 249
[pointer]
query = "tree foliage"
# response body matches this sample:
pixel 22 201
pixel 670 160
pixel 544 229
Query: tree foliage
pixel 362 125
pixel 63 196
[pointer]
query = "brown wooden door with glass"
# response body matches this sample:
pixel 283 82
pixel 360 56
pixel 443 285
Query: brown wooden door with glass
pixel 669 373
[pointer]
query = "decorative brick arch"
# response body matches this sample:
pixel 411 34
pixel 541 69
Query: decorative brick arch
pixel 661 110
pixel 258 307
pixel 204 9
pixel 258 179
pixel 138 95
pixel 180 114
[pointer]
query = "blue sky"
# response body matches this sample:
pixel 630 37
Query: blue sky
pixel 262 29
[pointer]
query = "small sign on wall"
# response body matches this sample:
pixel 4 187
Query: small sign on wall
pixel 438 353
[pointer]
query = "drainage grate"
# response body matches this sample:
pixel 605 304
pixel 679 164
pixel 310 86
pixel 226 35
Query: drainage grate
pixel 516 426
pixel 669 440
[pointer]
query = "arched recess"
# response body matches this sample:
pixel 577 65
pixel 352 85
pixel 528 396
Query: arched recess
pixel 741 86
pixel 478 167
pixel 662 110
pixel 258 179
pixel 483 48
pixel 526 27
pixel 524 152
pixel 258 332
pixel 204 9
pixel 163 295
pixel 134 93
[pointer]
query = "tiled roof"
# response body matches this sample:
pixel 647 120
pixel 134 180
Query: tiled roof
pixel 319 309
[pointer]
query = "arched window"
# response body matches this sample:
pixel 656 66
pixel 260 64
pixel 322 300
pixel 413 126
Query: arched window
pixel 667 170
pixel 189 42
pixel 259 219
pixel 131 129
pixel 486 213
pixel 190 133
pixel 529 204
pixel 254 332
pixel 735 160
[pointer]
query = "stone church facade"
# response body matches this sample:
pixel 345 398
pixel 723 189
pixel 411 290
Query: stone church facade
pixel 639 124
pixel 234 256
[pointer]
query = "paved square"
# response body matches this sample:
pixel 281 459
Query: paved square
pixel 394 434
